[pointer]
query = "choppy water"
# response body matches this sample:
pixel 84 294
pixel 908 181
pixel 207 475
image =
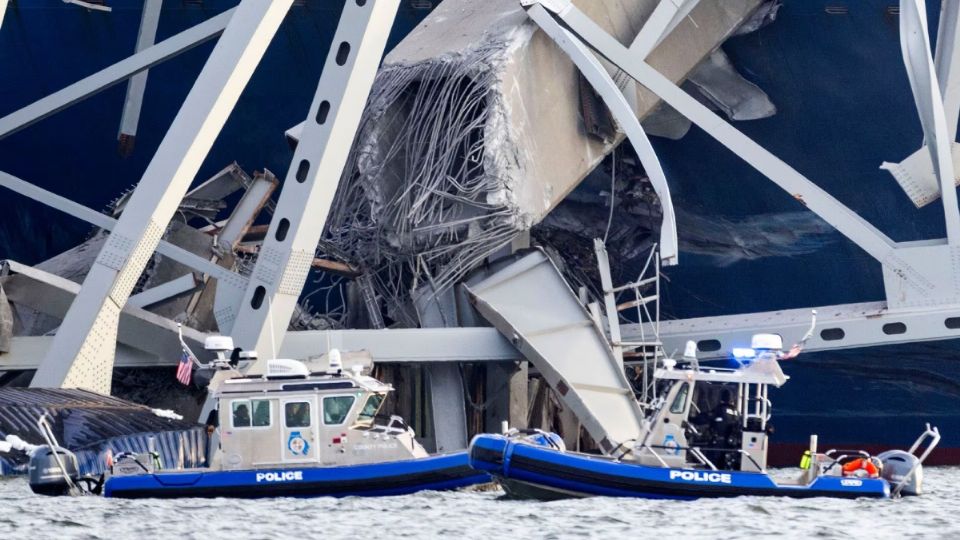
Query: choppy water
pixel 481 515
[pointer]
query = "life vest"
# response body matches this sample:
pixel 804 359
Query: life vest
pixel 862 467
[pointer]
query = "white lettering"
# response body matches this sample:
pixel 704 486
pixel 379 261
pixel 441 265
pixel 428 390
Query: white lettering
pixel 851 483
pixel 701 476
pixel 285 476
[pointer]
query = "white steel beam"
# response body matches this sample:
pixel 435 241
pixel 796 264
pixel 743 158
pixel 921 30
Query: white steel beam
pixel 249 207
pixel 399 346
pixel 165 291
pixel 52 295
pixel 114 74
pixel 918 59
pixel 107 223
pixel 623 112
pixel 288 251
pixel 916 174
pixel 845 220
pixel 83 349
pixel 3 10
pixel 838 327
pixel 665 17
pixel 137 84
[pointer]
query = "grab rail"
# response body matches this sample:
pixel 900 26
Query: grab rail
pixel 934 435
pixel 51 440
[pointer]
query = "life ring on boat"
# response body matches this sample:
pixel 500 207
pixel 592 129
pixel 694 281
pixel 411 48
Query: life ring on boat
pixel 862 467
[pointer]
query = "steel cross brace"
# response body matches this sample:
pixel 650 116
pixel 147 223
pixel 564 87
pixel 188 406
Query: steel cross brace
pixel 577 26
pixel 137 84
pixel 114 74
pixel 82 353
pixel 288 251
pixel 621 109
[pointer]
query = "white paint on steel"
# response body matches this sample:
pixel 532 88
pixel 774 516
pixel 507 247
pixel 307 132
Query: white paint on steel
pixel 83 349
pixel 532 305
pixel 285 259
pixel 137 85
pixel 918 58
pixel 165 291
pixel 395 346
pixel 916 174
pixel 107 223
pixel 838 327
pixel 665 17
pixel 846 221
pixel 601 81
pixel 3 10
pixel 114 74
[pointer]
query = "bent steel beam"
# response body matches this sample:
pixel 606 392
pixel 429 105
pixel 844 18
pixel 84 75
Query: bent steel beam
pixel 83 349
pixel 918 59
pixel 915 174
pixel 843 219
pixel 114 74
pixel 531 305
pixel 665 17
pixel 288 251
pixel 601 81
pixel 107 223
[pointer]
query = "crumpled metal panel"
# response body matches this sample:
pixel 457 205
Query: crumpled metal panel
pixel 88 424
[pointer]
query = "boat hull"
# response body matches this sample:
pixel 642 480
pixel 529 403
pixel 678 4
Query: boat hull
pixel 444 472
pixel 529 471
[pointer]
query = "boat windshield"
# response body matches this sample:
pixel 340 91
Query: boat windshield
pixel 370 408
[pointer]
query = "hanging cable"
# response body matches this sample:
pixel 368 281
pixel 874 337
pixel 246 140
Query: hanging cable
pixel 613 191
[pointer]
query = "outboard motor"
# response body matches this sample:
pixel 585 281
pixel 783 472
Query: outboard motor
pixel 46 476
pixel 896 465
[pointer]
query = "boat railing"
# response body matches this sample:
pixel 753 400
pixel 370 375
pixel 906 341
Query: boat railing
pixel 697 452
pixel 47 432
pixel 932 436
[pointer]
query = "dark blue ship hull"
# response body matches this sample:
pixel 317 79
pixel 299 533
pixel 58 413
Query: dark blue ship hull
pixel 444 472
pixel 844 106
pixel 529 470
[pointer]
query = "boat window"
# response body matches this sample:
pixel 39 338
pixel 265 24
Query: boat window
pixel 370 408
pixel 680 402
pixel 336 408
pixel 297 414
pixel 261 412
pixel 241 413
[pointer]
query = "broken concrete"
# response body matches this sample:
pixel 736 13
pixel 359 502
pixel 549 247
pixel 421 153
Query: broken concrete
pixel 475 131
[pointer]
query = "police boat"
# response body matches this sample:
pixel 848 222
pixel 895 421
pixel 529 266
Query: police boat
pixel 287 433
pixel 705 435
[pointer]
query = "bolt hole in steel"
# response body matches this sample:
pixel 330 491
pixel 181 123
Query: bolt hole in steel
pixel 258 296
pixel 832 334
pixel 282 229
pixel 708 345
pixel 302 171
pixel 895 328
pixel 322 112
pixel 343 53
pixel 952 323
pixel 361 3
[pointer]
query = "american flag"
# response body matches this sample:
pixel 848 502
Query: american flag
pixel 185 368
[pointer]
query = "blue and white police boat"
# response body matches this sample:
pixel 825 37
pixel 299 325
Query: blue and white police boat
pixel 287 433
pixel 704 436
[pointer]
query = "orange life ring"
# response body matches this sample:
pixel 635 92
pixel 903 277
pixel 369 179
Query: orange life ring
pixel 869 468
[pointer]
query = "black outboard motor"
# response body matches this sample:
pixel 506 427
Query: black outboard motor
pixel 46 476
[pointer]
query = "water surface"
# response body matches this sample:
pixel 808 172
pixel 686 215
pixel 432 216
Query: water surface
pixel 483 515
